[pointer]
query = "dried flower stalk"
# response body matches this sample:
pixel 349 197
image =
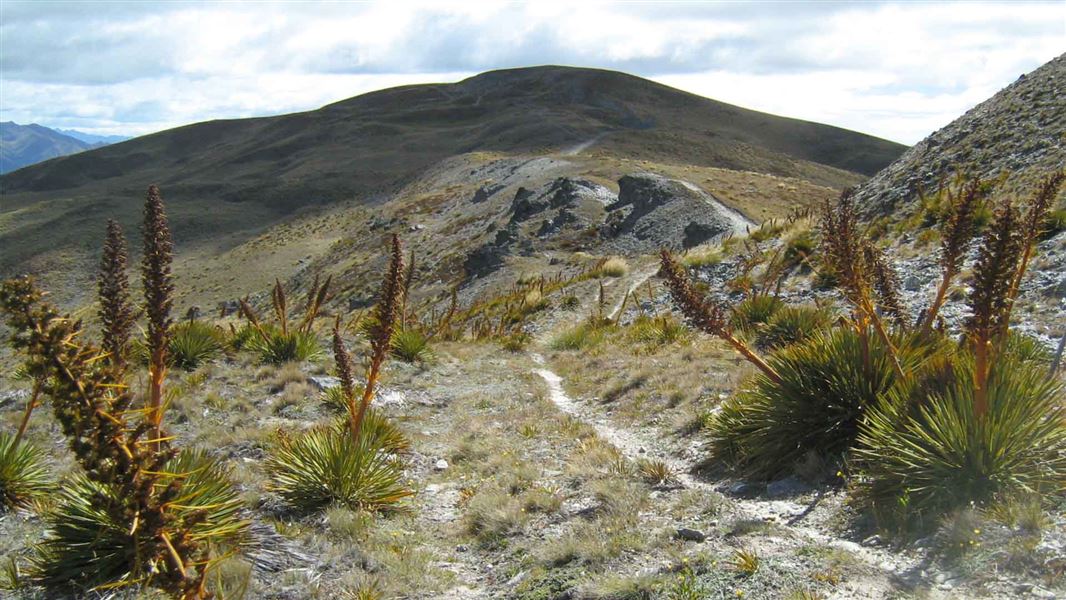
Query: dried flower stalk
pixel 956 233
pixel 381 333
pixel 116 310
pixel 709 317
pixel 158 299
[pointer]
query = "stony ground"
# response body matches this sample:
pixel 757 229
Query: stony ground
pixel 547 473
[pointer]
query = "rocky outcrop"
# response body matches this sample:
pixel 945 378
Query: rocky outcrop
pixel 654 212
pixel 526 204
pixel 486 191
pixel 490 256
pixel 1020 131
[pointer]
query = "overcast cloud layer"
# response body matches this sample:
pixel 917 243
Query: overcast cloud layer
pixel 898 71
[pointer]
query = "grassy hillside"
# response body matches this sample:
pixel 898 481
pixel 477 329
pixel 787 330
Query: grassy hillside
pixel 229 181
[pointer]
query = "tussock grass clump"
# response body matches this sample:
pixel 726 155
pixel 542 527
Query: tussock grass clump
pixel 411 345
pixel 614 266
pixel 582 336
pixel 23 476
pixel 924 459
pixel 701 258
pixel 657 331
pixel 89 546
pixel 194 343
pixel 326 466
pixel 494 515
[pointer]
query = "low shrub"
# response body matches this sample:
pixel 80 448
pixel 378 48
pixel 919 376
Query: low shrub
pixel 1054 224
pixel 799 247
pixel 516 342
pixel 325 466
pixel 23 476
pixel 193 343
pixel 87 547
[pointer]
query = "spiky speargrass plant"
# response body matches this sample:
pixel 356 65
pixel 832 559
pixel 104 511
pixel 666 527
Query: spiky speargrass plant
pixel 752 313
pixel 193 343
pixel 995 268
pixel 327 466
pixel 925 459
pixel 586 334
pixel 275 347
pixel 116 310
pixel 279 343
pixel 23 476
pixel 792 325
pixel 657 331
pixel 989 426
pixel 93 408
pixel 705 315
pixel 405 295
pixel 411 345
pixel 823 391
pixel 158 299
pixel 353 463
pixel 90 545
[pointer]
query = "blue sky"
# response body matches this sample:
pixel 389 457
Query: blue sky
pixel 896 70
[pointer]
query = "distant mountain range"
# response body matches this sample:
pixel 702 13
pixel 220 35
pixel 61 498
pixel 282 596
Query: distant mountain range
pixel 92 138
pixel 24 145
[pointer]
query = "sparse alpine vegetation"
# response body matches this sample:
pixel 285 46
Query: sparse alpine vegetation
pixel 928 425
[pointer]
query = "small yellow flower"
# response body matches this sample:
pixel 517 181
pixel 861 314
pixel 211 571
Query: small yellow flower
pixel 840 474
pixel 977 531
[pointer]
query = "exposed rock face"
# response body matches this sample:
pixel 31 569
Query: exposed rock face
pixel 486 191
pixel 667 213
pixel 490 256
pixel 1021 130
pixel 526 204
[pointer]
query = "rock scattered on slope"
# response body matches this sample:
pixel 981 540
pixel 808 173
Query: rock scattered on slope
pixel 1021 131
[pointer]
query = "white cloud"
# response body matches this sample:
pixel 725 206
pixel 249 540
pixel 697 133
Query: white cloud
pixel 894 70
